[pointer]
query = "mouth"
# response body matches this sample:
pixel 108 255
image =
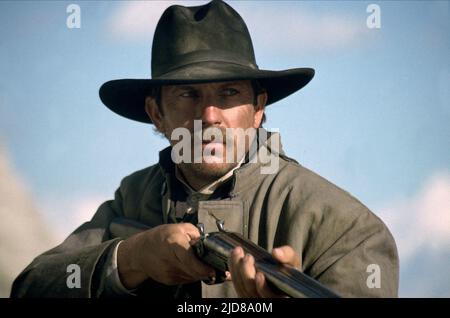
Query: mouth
pixel 209 142
pixel 213 147
pixel 212 144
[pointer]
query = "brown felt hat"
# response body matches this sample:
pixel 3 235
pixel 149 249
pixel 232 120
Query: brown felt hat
pixel 208 43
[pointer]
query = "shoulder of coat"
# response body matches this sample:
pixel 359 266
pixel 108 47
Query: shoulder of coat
pixel 143 177
pixel 301 179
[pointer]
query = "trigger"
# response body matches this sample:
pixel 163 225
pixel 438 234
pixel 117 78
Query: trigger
pixel 219 278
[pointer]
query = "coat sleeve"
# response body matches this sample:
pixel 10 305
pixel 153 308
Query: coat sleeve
pixel 361 262
pixel 87 247
pixel 342 244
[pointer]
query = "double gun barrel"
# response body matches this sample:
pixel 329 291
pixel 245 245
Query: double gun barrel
pixel 215 248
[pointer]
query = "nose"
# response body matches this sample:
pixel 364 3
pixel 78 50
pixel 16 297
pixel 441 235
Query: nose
pixel 211 113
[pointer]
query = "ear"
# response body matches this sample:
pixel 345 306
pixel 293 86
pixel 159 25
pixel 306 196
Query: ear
pixel 259 109
pixel 152 110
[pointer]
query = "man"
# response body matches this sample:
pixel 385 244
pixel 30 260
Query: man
pixel 205 81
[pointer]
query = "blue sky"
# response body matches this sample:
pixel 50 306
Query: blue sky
pixel 374 120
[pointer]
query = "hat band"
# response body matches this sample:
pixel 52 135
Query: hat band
pixel 203 56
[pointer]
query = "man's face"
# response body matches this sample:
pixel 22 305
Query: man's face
pixel 220 105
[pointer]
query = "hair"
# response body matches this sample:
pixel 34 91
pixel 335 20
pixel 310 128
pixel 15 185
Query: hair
pixel 257 90
pixel 155 92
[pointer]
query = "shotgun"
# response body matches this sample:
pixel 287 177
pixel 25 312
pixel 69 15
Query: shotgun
pixel 214 248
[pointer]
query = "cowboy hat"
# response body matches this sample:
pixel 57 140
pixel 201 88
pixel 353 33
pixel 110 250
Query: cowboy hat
pixel 208 43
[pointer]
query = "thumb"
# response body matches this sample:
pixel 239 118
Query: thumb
pixel 191 231
pixel 286 255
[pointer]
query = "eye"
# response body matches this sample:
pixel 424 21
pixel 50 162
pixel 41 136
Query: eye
pixel 189 94
pixel 230 92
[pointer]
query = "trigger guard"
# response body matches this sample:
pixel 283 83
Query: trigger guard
pixel 219 278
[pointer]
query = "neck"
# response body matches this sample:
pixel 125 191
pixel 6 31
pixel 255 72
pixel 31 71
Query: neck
pixel 198 176
pixel 195 180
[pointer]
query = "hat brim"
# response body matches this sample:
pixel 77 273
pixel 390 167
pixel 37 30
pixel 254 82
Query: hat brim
pixel 126 97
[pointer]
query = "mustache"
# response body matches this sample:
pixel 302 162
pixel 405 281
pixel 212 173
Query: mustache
pixel 213 134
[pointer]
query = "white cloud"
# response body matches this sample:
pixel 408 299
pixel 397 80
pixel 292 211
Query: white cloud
pixel 422 221
pixel 286 30
pixel 421 227
pixel 24 233
pixel 68 213
pixel 274 28
pixel 136 20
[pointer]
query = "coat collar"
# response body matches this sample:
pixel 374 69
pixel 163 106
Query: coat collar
pixel 244 176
